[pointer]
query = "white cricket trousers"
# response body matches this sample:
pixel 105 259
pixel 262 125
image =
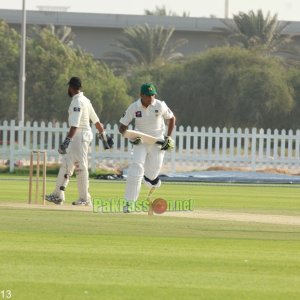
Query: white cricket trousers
pixel 76 159
pixel 146 160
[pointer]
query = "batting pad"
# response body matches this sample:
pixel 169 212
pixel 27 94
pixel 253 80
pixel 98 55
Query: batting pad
pixel 134 181
pixel 62 180
pixel 82 177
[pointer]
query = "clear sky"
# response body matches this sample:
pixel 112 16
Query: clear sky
pixel 285 9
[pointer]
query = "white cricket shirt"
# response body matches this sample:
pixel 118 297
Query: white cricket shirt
pixel 81 112
pixel 150 120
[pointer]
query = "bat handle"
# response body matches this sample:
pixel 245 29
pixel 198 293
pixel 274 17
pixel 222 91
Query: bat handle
pixel 160 142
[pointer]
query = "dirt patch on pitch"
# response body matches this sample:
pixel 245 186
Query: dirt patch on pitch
pixel 196 214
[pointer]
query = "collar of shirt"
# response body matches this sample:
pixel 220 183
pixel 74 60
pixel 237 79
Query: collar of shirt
pixel 77 95
pixel 139 103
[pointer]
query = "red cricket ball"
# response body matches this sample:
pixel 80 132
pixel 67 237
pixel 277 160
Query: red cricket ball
pixel 159 206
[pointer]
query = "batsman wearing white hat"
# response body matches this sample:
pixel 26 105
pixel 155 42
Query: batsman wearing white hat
pixel 150 116
pixel 75 146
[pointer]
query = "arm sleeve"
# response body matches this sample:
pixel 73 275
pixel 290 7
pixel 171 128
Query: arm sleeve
pixel 167 113
pixel 75 112
pixel 128 116
pixel 93 115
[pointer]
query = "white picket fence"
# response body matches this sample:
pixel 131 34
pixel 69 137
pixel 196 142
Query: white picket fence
pixel 194 148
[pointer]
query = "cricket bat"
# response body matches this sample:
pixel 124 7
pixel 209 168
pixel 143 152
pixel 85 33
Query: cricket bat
pixel 146 138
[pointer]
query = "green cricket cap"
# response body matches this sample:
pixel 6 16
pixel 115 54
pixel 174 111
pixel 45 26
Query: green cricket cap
pixel 148 89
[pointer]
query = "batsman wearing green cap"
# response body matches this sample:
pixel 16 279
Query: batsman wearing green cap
pixel 150 116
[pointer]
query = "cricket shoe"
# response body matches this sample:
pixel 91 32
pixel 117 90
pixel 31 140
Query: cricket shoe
pixel 126 209
pixel 54 199
pixel 82 202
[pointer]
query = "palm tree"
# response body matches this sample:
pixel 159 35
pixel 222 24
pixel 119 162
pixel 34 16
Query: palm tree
pixel 256 32
pixel 64 33
pixel 144 46
pixel 162 11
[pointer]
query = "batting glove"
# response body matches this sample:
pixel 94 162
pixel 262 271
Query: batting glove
pixel 136 141
pixel 63 147
pixel 167 144
pixel 107 141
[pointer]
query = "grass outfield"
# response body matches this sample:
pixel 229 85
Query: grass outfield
pixel 51 254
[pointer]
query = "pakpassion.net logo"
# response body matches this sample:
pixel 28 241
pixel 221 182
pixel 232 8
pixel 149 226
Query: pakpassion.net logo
pixel 159 205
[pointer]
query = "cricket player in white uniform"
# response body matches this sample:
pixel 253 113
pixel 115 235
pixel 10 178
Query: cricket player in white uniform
pixel 150 115
pixel 75 146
